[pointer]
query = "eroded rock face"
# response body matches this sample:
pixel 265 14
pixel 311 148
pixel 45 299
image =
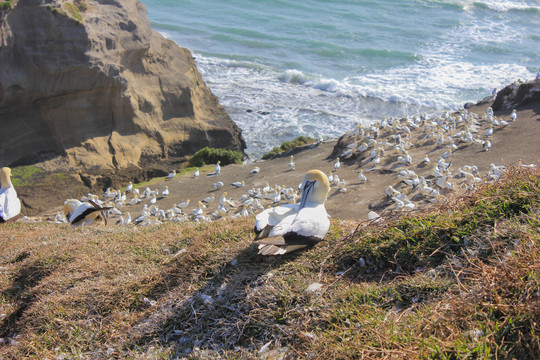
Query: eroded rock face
pixel 517 94
pixel 89 85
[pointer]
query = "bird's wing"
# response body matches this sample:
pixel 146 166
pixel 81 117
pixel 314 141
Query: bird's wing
pixel 10 205
pixel 271 217
pixel 282 244
pixel 311 222
pixel 86 213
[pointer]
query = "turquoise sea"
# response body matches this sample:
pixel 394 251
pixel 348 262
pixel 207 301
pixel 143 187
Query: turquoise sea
pixel 284 68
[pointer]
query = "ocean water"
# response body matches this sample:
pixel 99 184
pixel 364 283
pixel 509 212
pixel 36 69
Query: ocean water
pixel 284 68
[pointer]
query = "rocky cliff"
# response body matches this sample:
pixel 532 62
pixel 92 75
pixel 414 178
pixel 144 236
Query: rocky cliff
pixel 89 85
pixel 517 94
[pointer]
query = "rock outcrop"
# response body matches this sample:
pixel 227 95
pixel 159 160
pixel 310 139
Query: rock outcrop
pixel 517 94
pixel 88 85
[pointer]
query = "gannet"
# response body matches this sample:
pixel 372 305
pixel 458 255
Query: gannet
pixel 84 213
pixel 171 174
pixel 361 176
pixel 291 162
pixel 290 227
pixel 239 184
pixel 127 220
pixel 183 205
pixel 255 170
pixel 513 115
pixel 196 173
pixel 337 164
pixel 209 199
pixel 129 188
pixel 199 210
pixel 244 211
pixel 223 199
pixel 165 192
pixel 218 185
pixel 391 192
pixel 218 168
pixel 10 205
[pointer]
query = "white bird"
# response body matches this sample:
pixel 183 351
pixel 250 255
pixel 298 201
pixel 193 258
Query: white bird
pixel 290 227
pixel 171 175
pixel 337 164
pixel 84 213
pixel 291 162
pixel 218 168
pixel 218 185
pixel 153 200
pixel 486 145
pixel 209 199
pixel 10 205
pixel 127 220
pixel 239 184
pixel 198 211
pixel 196 173
pixel 129 188
pixel 165 192
pixel 513 115
pixel 223 199
pixel 361 176
pixel 183 204
pixel 391 192
pixel 255 170
pixel 244 211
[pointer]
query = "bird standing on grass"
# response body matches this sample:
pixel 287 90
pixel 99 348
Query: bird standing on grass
pixel 290 227
pixel 10 205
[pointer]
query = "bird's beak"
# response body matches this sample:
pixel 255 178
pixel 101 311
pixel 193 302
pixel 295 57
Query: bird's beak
pixel 306 190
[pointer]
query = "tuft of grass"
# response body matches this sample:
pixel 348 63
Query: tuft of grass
pixel 6 5
pixel 289 145
pixel 208 156
pixel 26 175
pixel 73 10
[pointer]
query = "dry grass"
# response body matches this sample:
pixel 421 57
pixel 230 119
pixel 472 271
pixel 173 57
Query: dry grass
pixel 459 282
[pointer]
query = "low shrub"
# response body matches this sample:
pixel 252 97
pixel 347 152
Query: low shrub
pixel 208 156
pixel 288 145
pixel 5 5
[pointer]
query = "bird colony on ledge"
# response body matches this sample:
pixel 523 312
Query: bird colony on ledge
pixel 392 145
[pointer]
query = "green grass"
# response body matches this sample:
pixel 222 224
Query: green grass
pixel 74 11
pixel 26 175
pixel 288 145
pixel 207 156
pixel 5 5
pixel 458 282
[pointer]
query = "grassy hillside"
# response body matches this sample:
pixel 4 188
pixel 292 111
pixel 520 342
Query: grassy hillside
pixel 462 281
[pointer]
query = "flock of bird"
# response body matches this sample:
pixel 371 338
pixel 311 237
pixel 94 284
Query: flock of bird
pixel 391 144
pixel 291 218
